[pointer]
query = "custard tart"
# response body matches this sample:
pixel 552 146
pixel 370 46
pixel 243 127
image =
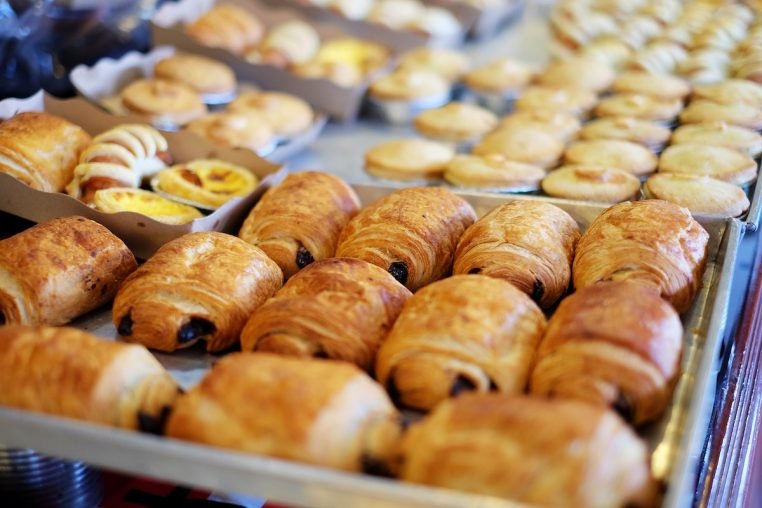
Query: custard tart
pixel 207 183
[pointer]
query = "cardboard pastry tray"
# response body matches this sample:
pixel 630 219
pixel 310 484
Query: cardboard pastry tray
pixel 675 441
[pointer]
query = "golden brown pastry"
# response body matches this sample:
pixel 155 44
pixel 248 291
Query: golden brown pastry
pixel 612 153
pixel 743 115
pixel 449 64
pixel 408 159
pixel 205 75
pixel 643 107
pixel 239 130
pixel 227 26
pixel 591 183
pixel 41 150
pixel 60 269
pixel 731 91
pixel 643 132
pixel 529 145
pixel 148 203
pixel 741 139
pixel 286 114
pixel 162 101
pixel 699 194
pixel 612 344
pixel 560 125
pixel 493 172
pixel 578 72
pixel 410 85
pixel 201 286
pixel 503 76
pixel 209 183
pixel 709 160
pixel 339 308
pixel 456 121
pixel 411 232
pixel 572 101
pixel 662 87
pixel 315 411
pixel 651 242
pixel 536 452
pixel 528 243
pixel 463 333
pixel 299 221
pixel 70 373
pixel 292 42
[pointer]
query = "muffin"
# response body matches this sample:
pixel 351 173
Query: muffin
pixel 699 194
pixel 706 160
pixel 742 115
pixel 456 122
pixel 286 114
pixel 642 107
pixel 493 172
pixel 583 73
pixel 503 77
pixel 449 64
pixel 408 159
pixel 660 87
pixel 204 75
pixel 591 183
pixel 528 145
pixel 649 134
pixel 572 101
pixel 720 134
pixel 561 125
pixel 612 153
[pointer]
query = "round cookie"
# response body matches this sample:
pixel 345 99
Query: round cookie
pixel 721 134
pixel 561 125
pixel 700 111
pixel 500 76
pixel 572 101
pixel 286 114
pixel 612 153
pixel 529 145
pixel 241 130
pixel 649 134
pixel 408 159
pixel 493 172
pixel 204 75
pixel 409 85
pixel 699 194
pixel 163 100
pixel 642 107
pixel 580 72
pixel 591 183
pixel 731 91
pixel 456 121
pixel 662 87
pixel 706 160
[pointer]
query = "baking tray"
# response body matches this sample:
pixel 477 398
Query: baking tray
pixel 676 441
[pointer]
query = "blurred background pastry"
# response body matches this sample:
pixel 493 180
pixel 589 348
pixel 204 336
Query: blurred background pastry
pixel 162 101
pixel 588 182
pixel 582 73
pixel 561 125
pixel 227 26
pixel 565 100
pixel 289 43
pixel 244 129
pixel 287 115
pixel 652 135
pixel 699 194
pixel 451 65
pixel 527 145
pixel 721 134
pixel 707 160
pixel 642 107
pixel 492 172
pixel 206 76
pixel 612 153
pixel 456 121
pixel 408 159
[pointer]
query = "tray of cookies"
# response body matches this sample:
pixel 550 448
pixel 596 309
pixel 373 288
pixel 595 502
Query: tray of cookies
pixel 360 309
pixel 67 157
pixel 280 48
pixel 273 124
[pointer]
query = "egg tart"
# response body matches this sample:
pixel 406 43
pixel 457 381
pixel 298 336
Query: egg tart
pixel 150 204
pixel 207 183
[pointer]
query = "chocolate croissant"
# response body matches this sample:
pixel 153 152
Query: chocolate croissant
pixel 60 269
pixel 315 411
pixel 201 286
pixel 68 372
pixel 467 332
pixel 41 150
pixel 652 242
pixel 613 344
pixel 411 232
pixel 528 243
pixel 532 451
pixel 340 308
pixel 299 221
pixel 120 157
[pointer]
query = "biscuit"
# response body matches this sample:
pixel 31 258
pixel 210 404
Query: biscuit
pixel 408 159
pixel 699 194
pixel 456 121
pixel 612 153
pixel 591 183
pixel 706 160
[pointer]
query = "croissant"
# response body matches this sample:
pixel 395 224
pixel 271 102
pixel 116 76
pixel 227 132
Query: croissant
pixel 201 286
pixel 315 411
pixel 41 150
pixel 68 372
pixel 652 242
pixel 467 332
pixel 532 451
pixel 528 243
pixel 336 308
pixel 299 221
pixel 120 157
pixel 614 344
pixel 411 232
pixel 60 269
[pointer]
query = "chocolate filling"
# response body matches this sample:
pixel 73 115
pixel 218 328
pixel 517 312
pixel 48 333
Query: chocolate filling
pixel 474 271
pixel 154 424
pixel 398 269
pixel 2 319
pixel 623 406
pixel 538 290
pixel 303 257
pixel 125 326
pixel 373 466
pixel 462 384
pixel 195 329
pixel 394 392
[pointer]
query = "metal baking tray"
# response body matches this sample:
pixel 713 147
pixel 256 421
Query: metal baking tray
pixel 676 441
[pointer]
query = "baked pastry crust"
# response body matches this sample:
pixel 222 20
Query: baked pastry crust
pixel 662 87
pixel 500 76
pixel 41 150
pixel 614 344
pixel 300 220
pixel 456 121
pixel 58 270
pixel 708 160
pixel 561 125
pixel 70 373
pixel 290 43
pixel 612 153
pixel 412 233
pixel 591 183
pixel 160 100
pixel 529 450
pixel 201 286
pixel 528 145
pixel 150 204
pixel 699 111
pixel 227 26
pixel 699 194
pixel 410 84
pixel 204 75
pixel 286 114
pixel 463 333
pixel 408 159
pixel 207 182
pixel 528 243
pixel 740 139
pixel 649 134
pixel 731 91
pixel 245 129
pixel 492 172
pixel 314 411
pixel 339 308
pixel 573 101
pixel 449 64
pixel 652 242
pixel 578 72
pixel 643 107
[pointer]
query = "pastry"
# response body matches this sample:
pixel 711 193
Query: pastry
pixel 315 411
pixel 527 145
pixel 705 66
pixel 660 87
pixel 610 51
pixel 493 172
pixel 531 451
pixel 58 270
pixel 561 125
pixel 699 194
pixel 408 159
pixel 206 182
pixel 449 64
pixel 340 308
pixel 463 333
pixel 743 115
pixel 612 153
pixel 395 14
pixel 150 204
pixel 204 75
pixel 741 139
pixel 286 114
pixel 653 242
pixel 638 29
pixel 163 101
pixel 245 129
pixel 558 100
pixel 528 243
pixel 363 56
pixel 731 91
pixel 299 221
pixel 227 26
pixel 504 76
pixel 340 73
pixel 201 286
pixel 411 233
pixel 70 373
pixel 588 182
pixel 649 134
pixel 437 23
pixel 456 121
pixel 642 107
pixel 709 160
pixel 410 85
pixel 581 73
pixel 613 344
pixel 120 157
pixel 574 28
pixel 352 9
pixel 290 43
pixel 41 150
pixel 659 58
